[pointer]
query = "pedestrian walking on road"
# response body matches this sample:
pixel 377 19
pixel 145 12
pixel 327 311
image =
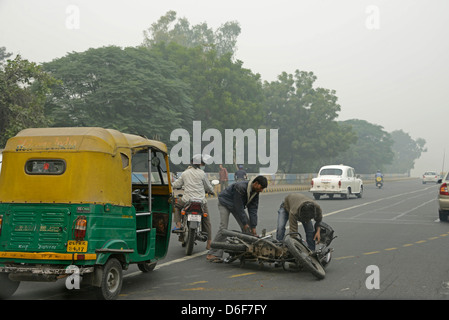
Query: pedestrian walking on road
pixel 223 177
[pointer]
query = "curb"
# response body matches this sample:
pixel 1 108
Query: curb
pixel 306 187
pixel 286 188
pixel 275 189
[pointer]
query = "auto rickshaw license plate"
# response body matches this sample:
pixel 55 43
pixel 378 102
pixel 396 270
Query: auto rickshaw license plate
pixel 76 246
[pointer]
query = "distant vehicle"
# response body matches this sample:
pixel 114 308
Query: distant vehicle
pixel 337 179
pixel 443 198
pixel 430 176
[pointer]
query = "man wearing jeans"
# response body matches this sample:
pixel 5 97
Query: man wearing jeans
pixel 234 199
pixel 295 208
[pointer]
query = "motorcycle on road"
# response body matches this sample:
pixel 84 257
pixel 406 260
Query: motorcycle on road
pixel 292 250
pixel 192 215
pixel 379 182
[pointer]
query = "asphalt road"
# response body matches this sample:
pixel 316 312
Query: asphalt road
pixel 390 245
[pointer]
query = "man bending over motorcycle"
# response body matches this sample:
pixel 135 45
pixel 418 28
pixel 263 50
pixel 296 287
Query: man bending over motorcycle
pixel 295 208
pixel 233 200
pixel 195 184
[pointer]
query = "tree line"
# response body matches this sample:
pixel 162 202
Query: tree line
pixel 182 73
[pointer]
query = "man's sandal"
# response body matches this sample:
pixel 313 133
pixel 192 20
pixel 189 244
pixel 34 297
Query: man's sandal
pixel 215 259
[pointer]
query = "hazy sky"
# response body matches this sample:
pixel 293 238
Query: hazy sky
pixel 387 60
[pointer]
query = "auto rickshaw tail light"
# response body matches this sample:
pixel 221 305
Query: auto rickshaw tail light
pixel 80 228
pixel 1 222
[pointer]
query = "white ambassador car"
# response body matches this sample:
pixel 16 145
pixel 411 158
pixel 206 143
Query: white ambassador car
pixel 336 179
pixel 430 176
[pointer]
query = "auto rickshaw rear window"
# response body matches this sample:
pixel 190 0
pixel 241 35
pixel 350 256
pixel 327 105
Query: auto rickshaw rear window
pixel 45 167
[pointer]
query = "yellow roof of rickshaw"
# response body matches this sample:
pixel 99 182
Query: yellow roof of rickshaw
pixel 78 139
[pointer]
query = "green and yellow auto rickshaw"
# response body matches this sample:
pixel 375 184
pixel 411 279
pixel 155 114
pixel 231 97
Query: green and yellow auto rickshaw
pixel 82 202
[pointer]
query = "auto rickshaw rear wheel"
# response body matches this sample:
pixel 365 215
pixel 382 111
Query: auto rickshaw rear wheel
pixel 111 280
pixel 7 286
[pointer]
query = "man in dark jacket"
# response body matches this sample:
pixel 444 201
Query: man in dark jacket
pixel 240 174
pixel 295 208
pixel 234 199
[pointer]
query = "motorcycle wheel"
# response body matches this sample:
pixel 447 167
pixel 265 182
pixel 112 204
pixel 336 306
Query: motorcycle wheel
pixel 301 254
pixel 190 241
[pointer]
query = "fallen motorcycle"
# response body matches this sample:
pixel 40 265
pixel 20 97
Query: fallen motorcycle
pixel 292 250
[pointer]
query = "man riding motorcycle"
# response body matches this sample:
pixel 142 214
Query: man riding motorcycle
pixel 195 184
pixel 379 175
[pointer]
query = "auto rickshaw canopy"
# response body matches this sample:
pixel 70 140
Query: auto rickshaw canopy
pixel 78 139
pixel 97 165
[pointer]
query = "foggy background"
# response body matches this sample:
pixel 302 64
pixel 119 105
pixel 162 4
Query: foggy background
pixel 387 60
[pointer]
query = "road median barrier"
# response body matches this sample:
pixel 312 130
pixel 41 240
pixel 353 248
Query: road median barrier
pixel 306 187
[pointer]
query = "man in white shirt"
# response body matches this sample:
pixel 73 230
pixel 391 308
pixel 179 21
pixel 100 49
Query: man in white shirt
pixel 196 185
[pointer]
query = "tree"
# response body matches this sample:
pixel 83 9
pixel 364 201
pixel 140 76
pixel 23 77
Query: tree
pixel 224 94
pixel 129 89
pixel 406 151
pixel 305 117
pixel 373 150
pixel 223 40
pixel 4 55
pixel 24 87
